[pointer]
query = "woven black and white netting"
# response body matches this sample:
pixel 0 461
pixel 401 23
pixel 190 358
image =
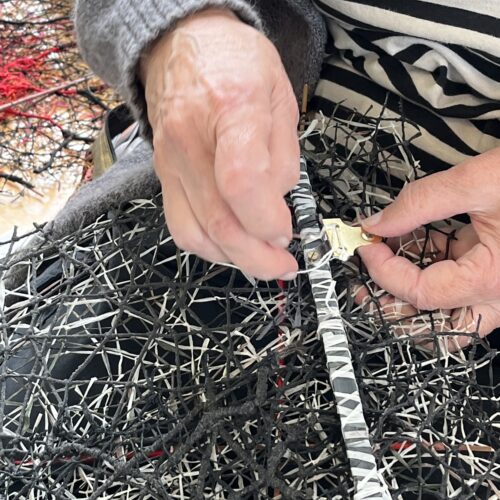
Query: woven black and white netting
pixel 131 370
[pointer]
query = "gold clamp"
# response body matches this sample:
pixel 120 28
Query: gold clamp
pixel 345 240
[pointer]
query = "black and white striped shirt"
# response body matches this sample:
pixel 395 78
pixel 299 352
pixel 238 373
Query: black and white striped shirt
pixel 440 58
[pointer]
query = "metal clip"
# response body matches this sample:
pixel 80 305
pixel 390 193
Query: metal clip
pixel 344 239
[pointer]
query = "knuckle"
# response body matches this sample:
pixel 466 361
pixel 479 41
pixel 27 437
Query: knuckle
pixel 486 266
pixel 424 301
pixel 479 276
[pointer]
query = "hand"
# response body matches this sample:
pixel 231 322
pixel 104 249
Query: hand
pixel 469 276
pixel 224 121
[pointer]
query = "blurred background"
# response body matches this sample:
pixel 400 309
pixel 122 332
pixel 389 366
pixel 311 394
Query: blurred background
pixel 51 107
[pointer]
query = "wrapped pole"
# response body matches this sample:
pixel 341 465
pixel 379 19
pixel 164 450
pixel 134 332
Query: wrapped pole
pixel 364 471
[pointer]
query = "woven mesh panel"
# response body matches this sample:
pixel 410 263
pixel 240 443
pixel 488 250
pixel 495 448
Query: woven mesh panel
pixel 132 370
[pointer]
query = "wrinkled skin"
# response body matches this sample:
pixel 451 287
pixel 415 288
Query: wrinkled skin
pixel 469 276
pixel 224 119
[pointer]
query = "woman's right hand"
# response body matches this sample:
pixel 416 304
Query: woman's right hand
pixel 224 119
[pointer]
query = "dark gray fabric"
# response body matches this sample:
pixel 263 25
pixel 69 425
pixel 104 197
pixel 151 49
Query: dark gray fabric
pixel 299 32
pixel 113 34
pixel 137 180
pixel 131 177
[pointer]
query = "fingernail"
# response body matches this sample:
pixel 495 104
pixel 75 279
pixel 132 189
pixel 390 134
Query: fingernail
pixel 289 276
pixel 281 242
pixel 372 221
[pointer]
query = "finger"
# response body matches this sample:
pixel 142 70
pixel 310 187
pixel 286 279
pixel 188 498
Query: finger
pixel 481 319
pixel 386 308
pixel 369 295
pixel 244 177
pixel 181 220
pixel 436 197
pixel 426 247
pixel 183 225
pixel 404 320
pixel 284 143
pixel 444 330
pixel 253 256
pixel 420 246
pixel 465 325
pixel 447 284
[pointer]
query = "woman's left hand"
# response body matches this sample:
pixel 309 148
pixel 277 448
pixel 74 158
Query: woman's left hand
pixel 468 272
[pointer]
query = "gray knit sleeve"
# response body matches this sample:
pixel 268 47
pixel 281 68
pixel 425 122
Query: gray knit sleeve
pixel 113 34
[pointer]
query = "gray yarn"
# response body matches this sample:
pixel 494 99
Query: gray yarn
pixel 113 34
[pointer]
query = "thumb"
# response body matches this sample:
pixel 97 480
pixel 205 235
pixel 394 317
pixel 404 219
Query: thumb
pixel 436 197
